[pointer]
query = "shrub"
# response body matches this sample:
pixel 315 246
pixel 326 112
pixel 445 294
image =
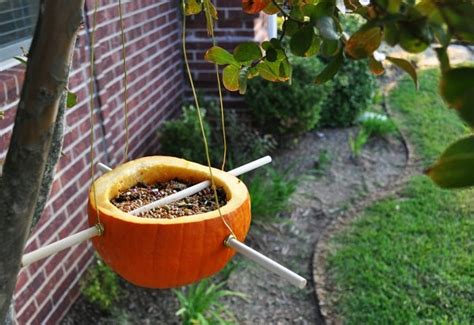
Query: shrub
pixel 352 89
pixel 182 137
pixel 201 303
pixel 244 143
pixel 284 109
pixel 101 286
pixel 270 191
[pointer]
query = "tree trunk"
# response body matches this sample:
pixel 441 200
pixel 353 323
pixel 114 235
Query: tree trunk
pixel 46 78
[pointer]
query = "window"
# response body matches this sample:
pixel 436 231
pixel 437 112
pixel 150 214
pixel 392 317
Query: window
pixel 17 22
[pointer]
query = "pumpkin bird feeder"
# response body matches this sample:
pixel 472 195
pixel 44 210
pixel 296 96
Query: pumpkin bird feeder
pixel 165 253
pixel 161 252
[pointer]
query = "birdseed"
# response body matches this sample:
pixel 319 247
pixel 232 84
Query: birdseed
pixel 142 194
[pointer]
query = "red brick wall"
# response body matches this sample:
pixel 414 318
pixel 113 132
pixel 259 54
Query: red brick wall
pixel 233 27
pixel 47 288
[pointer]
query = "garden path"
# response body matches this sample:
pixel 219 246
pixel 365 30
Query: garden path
pixel 331 182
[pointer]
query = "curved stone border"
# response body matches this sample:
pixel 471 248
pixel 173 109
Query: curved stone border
pixel 323 286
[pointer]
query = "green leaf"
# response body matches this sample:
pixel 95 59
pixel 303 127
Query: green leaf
pixel 391 33
pixel 414 38
pixel 266 72
pixel 271 54
pixel 219 55
pixel 290 27
pixel 405 66
pixel 458 16
pixel 192 7
pixel 247 51
pixel 230 77
pixel 394 6
pixel 330 70
pixel 364 42
pixel 454 169
pixel 375 66
pixel 324 8
pixel 286 70
pixel 211 15
pixel 71 99
pixel 302 40
pixel 457 89
pixel 243 76
pixel 2 115
pixel 443 58
pixel 315 46
pixel 21 59
pixel 329 48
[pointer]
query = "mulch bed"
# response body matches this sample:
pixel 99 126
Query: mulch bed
pixel 142 194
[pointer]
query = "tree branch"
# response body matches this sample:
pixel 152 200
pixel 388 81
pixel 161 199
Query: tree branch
pixel 46 78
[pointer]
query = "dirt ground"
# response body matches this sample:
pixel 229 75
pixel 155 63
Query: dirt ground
pixel 330 182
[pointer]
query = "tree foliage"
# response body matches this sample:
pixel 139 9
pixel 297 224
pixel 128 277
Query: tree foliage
pixel 313 27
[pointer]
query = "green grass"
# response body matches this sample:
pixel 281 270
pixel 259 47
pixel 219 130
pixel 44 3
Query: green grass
pixel 410 258
pixel 424 117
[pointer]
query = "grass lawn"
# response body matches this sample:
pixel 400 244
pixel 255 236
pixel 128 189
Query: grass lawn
pixel 410 258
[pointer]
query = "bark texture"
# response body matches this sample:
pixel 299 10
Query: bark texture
pixel 31 143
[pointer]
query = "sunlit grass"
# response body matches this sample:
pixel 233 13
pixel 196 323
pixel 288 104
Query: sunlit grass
pixel 410 258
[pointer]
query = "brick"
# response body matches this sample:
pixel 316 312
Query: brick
pixel 22 279
pixel 25 316
pixel 22 298
pixel 44 293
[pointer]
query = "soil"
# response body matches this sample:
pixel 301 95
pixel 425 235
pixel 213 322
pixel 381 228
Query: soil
pixel 331 181
pixel 142 194
pixel 324 192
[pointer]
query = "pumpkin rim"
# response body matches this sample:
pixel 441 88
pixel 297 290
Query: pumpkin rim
pixel 235 189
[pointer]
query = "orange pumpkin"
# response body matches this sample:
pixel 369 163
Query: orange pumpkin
pixel 254 6
pixel 165 253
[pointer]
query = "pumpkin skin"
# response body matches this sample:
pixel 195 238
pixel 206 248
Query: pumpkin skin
pixel 166 253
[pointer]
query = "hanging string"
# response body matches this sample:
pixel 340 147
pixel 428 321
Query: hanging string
pixel 201 124
pixel 221 103
pixel 91 117
pixel 125 80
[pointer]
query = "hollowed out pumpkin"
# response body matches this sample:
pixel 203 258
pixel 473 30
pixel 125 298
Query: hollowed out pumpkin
pixel 166 253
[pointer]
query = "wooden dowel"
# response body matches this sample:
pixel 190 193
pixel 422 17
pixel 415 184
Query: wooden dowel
pixel 200 186
pixel 58 246
pixel 266 262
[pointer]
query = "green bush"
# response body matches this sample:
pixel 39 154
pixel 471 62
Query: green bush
pixel 182 136
pixel 101 286
pixel 352 91
pixel 270 191
pixel 284 109
pixel 244 143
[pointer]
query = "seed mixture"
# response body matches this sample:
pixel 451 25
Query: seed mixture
pixel 142 194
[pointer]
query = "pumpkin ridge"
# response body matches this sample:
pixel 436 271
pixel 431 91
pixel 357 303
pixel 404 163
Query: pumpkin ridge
pixel 203 238
pixel 180 255
pixel 153 262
